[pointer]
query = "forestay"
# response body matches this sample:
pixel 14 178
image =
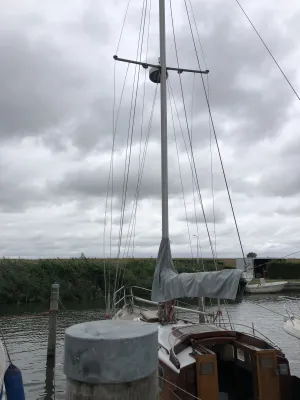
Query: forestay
pixel 168 284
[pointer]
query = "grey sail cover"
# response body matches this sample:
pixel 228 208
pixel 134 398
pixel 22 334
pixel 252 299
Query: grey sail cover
pixel 168 284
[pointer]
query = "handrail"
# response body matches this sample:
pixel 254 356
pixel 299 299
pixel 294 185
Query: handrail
pixel 192 311
pixel 122 298
pixel 122 287
pixel 115 303
pixel 140 287
pixel 255 330
pixel 154 303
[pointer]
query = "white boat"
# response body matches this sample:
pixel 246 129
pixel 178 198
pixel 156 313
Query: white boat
pixel 208 360
pixel 292 322
pixel 265 287
pixel 292 327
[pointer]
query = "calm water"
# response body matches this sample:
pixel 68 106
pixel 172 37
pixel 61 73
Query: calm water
pixel 26 337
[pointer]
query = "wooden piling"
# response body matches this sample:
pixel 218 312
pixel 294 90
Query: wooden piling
pixel 201 307
pixel 53 309
pixel 111 360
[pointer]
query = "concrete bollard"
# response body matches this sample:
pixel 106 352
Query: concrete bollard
pixel 111 360
pixel 52 320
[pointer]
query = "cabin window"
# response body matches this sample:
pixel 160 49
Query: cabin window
pixel 240 355
pixel 227 353
pixel 267 362
pixel 207 368
pixel 283 369
pixel 160 377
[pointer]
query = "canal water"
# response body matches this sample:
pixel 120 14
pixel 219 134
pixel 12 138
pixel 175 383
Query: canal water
pixel 25 330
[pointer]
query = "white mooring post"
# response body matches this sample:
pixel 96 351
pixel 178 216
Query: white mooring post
pixel 52 320
pixel 111 360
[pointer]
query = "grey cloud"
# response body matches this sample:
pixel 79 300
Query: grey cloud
pixel 211 215
pixel 95 22
pixel 39 89
pixel 292 211
pixel 60 87
pixel 17 193
pixel 283 181
pixel 251 110
pixel 93 181
pixel 237 60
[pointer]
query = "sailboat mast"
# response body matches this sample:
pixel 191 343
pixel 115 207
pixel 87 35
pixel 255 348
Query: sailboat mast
pixel 163 110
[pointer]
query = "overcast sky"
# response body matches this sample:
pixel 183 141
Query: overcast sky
pixel 56 103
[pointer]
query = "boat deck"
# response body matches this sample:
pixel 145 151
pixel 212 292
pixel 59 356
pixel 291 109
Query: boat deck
pixel 133 313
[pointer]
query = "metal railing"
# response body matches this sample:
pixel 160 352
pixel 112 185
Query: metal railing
pixel 125 300
pixel 292 307
pixel 135 300
pixel 255 333
pixel 154 303
pixel 119 299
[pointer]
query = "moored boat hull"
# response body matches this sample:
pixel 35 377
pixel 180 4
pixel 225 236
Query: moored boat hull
pixel 292 327
pixel 211 362
pixel 272 287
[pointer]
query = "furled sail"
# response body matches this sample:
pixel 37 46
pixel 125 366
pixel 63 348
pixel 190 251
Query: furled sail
pixel 168 284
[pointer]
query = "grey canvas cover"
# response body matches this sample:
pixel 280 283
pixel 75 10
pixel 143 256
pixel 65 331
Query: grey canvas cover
pixel 168 284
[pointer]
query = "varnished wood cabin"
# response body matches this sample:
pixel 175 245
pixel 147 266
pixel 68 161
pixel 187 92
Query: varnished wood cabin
pixel 209 363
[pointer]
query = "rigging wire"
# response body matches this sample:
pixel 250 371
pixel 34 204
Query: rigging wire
pixel 122 29
pixel 142 121
pixel 179 388
pixel 141 42
pixel 280 258
pixel 215 135
pixel 210 131
pixel 130 133
pixel 110 175
pixel 5 345
pixel 266 308
pixel 212 185
pixel 140 175
pixel 140 152
pixel 209 126
pixel 144 158
pixel 132 222
pixel 175 394
pixel 268 50
pixel 147 50
pixel 193 183
pixel 181 181
pixel 191 147
pixel 110 178
pixel 170 90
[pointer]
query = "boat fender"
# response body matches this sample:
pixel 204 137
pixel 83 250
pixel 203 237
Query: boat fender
pixel 13 383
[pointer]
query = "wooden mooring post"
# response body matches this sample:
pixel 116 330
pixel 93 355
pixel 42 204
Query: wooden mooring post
pixel 53 309
pixel 111 360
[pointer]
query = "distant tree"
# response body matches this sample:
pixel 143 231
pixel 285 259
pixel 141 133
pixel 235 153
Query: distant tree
pixel 251 255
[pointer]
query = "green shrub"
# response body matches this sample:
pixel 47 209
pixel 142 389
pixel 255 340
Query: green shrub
pixel 81 279
pixel 283 270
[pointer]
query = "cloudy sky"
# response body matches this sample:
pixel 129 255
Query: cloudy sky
pixel 57 78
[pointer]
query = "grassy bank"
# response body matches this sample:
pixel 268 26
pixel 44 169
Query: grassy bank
pixel 80 279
